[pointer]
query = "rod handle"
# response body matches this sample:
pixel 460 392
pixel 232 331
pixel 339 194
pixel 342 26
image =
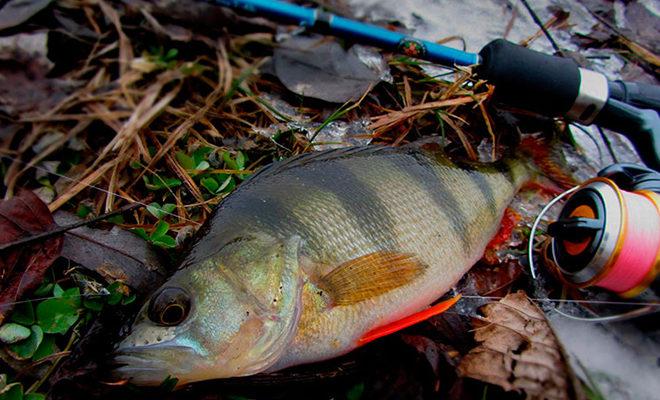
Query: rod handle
pixel 637 94
pixel 528 79
pixel 642 127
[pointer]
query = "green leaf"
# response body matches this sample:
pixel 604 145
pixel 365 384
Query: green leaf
pixel 229 162
pixel 228 185
pixel 34 396
pixel 23 314
pixel 171 54
pixel 159 211
pixel 118 290
pixel 45 289
pixel 58 315
pixel 116 219
pixel 129 299
pixel 356 392
pixel 240 160
pixel 13 391
pixel 168 384
pixel 186 161
pixel 169 207
pixel 73 294
pixel 45 349
pixel 12 333
pixel 202 166
pixel 210 184
pixel 25 349
pixel 165 241
pixel 160 230
pixel 201 154
pixel 141 233
pixel 57 290
pixel 158 183
pixel 83 210
pixel 93 304
pixel 154 209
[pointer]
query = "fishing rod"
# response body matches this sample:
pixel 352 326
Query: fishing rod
pixel 523 78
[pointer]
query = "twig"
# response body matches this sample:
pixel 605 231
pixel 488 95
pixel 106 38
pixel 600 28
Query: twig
pixel 538 22
pixel 65 228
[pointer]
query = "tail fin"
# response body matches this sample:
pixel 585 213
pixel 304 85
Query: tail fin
pixel 545 158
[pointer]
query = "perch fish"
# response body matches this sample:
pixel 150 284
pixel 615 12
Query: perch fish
pixel 315 256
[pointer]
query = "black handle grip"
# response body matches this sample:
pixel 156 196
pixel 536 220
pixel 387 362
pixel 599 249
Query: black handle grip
pixel 642 127
pixel 637 94
pixel 529 79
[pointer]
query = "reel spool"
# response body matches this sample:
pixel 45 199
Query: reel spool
pixel 608 233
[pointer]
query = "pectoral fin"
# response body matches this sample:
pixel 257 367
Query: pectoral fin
pixel 369 276
pixel 407 321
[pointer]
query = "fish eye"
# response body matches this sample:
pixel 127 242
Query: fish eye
pixel 169 307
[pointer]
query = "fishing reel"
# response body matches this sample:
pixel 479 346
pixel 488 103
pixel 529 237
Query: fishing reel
pixel 608 233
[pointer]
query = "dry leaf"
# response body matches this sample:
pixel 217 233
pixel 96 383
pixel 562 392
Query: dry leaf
pixel 22 268
pixel 115 254
pixel 518 351
pixel 322 69
pixel 15 12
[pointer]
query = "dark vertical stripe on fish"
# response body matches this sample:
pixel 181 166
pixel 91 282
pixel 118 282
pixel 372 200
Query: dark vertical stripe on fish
pixel 421 171
pixel 358 199
pixel 483 184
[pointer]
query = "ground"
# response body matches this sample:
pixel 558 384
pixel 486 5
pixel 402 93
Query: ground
pixel 160 109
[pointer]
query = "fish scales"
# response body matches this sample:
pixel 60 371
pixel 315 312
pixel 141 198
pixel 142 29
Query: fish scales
pixel 345 204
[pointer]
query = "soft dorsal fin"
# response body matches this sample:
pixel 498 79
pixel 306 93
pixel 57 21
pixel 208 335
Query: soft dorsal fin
pixel 369 276
pixel 407 321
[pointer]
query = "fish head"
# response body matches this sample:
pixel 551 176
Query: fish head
pixel 231 314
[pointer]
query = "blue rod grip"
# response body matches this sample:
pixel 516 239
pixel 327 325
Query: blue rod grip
pixel 355 30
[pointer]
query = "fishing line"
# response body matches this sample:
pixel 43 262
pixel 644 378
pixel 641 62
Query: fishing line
pixel 610 318
pixel 532 233
pixel 603 302
pixel 645 308
pixel 94 187
pixel 85 295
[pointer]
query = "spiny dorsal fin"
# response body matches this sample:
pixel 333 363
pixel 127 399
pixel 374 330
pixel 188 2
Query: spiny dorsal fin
pixel 369 276
pixel 319 156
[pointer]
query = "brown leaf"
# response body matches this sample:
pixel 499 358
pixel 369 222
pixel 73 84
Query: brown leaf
pixel 495 280
pixel 22 268
pixel 518 351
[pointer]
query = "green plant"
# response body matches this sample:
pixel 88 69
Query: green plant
pixel 159 211
pixel 157 183
pixel 220 183
pixel 161 58
pixel 36 326
pixel 196 162
pixel 158 236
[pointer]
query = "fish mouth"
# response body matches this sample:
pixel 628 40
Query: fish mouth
pixel 143 366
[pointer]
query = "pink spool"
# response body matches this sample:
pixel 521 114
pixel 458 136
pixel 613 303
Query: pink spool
pixel 638 253
pixel 607 237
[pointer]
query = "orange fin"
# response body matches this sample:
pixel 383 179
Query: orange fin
pixel 369 276
pixel 408 321
pixel 509 222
